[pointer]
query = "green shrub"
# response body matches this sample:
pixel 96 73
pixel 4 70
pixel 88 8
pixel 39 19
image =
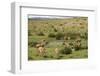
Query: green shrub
pixel 32 44
pixel 77 46
pixel 84 35
pixel 55 30
pixel 45 56
pixel 30 58
pixel 40 33
pixel 66 50
pixel 51 35
pixel 59 36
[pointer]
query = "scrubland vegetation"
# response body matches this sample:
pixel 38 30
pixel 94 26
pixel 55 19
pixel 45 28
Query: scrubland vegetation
pixel 50 39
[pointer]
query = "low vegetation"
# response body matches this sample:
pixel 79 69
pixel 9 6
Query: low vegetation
pixel 57 38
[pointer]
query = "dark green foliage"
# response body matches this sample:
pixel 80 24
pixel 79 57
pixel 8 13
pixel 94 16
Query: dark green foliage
pixel 32 44
pixel 51 35
pixel 55 30
pixel 77 46
pixel 84 35
pixel 45 56
pixel 59 57
pixel 40 33
pixel 66 50
pixel 59 36
pixel 30 58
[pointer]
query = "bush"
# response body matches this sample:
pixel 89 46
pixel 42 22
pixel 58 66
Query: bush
pixel 77 46
pixel 84 35
pixel 32 44
pixel 30 58
pixel 55 30
pixel 51 35
pixel 59 36
pixel 80 44
pixel 66 50
pixel 40 34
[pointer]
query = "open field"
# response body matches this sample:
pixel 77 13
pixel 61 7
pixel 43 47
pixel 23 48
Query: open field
pixel 65 38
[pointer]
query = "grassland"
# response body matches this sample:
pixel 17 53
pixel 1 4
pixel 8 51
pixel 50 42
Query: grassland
pixel 57 32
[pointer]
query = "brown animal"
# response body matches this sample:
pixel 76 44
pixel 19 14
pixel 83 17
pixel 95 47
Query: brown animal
pixel 38 45
pixel 56 52
pixel 40 49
